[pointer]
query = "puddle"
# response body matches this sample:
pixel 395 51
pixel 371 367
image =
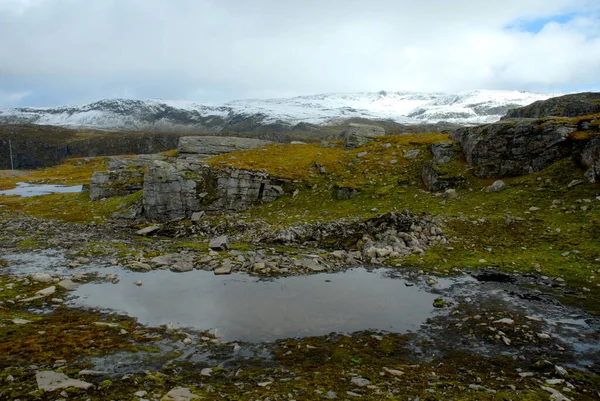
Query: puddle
pixel 25 190
pixel 241 307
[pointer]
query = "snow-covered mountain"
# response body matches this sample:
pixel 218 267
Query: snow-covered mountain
pixel 473 107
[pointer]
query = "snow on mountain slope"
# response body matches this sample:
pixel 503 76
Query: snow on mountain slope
pixel 474 107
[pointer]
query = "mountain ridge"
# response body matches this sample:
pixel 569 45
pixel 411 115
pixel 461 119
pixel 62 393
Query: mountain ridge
pixel 409 108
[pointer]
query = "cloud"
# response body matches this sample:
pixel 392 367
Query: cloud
pixel 73 51
pixel 11 99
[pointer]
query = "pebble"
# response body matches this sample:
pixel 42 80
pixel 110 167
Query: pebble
pixel 138 283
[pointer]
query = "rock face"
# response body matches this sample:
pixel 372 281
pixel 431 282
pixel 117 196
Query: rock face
pixel 443 152
pixel 436 178
pixel 357 135
pixel 512 148
pixel 177 190
pixel 106 184
pixel 590 158
pixel 579 104
pixel 207 146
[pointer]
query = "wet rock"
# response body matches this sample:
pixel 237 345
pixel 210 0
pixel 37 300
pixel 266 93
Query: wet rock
pixel 180 394
pixel 68 284
pixel 357 135
pixel 148 230
pixel 219 244
pixel 47 291
pixel 138 283
pixel 51 381
pixel 41 278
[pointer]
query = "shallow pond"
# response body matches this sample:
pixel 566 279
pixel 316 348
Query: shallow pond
pixel 241 307
pixel 24 189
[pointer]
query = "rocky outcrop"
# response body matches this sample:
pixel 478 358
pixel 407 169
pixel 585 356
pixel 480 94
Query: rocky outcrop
pixel 579 104
pixel 590 158
pixel 175 191
pixel 357 135
pixel 208 146
pixel 106 184
pixel 512 148
pixel 444 152
pixel 438 178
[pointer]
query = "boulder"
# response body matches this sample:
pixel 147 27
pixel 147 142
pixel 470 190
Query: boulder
pixel 436 179
pixel 345 193
pixel 497 186
pixel 443 152
pixel 512 148
pixel 219 244
pixel 357 135
pixel 203 147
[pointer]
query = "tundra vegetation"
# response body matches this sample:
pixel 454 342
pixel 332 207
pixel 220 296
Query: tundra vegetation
pixel 544 225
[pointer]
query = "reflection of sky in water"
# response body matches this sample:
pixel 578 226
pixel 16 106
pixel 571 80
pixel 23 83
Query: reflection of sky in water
pixel 26 190
pixel 242 307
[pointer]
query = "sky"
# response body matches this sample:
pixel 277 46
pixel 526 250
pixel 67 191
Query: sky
pixel 55 52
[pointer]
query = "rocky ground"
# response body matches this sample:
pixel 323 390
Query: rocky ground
pixel 514 265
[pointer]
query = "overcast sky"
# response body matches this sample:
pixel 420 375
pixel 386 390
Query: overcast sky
pixel 56 52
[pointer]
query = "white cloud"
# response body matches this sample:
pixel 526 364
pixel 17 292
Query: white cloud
pixel 11 99
pixel 208 50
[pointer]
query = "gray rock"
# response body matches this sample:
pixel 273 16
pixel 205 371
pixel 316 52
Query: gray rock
pixel 219 244
pixel 436 180
pixel 357 135
pixel 512 148
pixel 590 158
pixel 41 277
pixel 443 152
pixel 360 381
pixel 180 394
pixel 450 193
pixel 139 266
pixel 51 381
pixel 19 321
pixel 412 153
pixel 574 183
pixel 68 284
pixel 106 184
pixel 497 186
pixel 148 230
pixel 207 146
pixel 225 268
pixel 47 291
pixel 573 105
pixel 345 193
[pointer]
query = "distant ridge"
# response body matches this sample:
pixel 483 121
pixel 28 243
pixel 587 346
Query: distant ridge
pixel 466 108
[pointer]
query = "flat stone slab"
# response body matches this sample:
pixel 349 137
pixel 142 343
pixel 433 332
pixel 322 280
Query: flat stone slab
pixel 180 394
pixel 47 291
pixel 68 284
pixel 148 230
pixel 52 381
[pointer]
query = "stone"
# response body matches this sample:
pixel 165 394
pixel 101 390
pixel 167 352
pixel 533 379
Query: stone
pixel 148 230
pixel 87 372
pixel 357 135
pixel 138 283
pixel 139 266
pixel 206 372
pixel 590 158
pixel 555 394
pixel 121 182
pixel 345 193
pixel 450 193
pixel 202 147
pixel 436 179
pixel 20 321
pixel 360 381
pixel 187 341
pixel 574 183
pixel 497 186
pixel 226 268
pixel 219 244
pixel 180 394
pixel 41 278
pixel 47 291
pixel 443 152
pixel 68 284
pixel 411 154
pixel 394 372
pixel 513 148
pixel 505 320
pixel 51 381
pixel 140 393
pixel 573 105
pixel 197 216
pixel 259 266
